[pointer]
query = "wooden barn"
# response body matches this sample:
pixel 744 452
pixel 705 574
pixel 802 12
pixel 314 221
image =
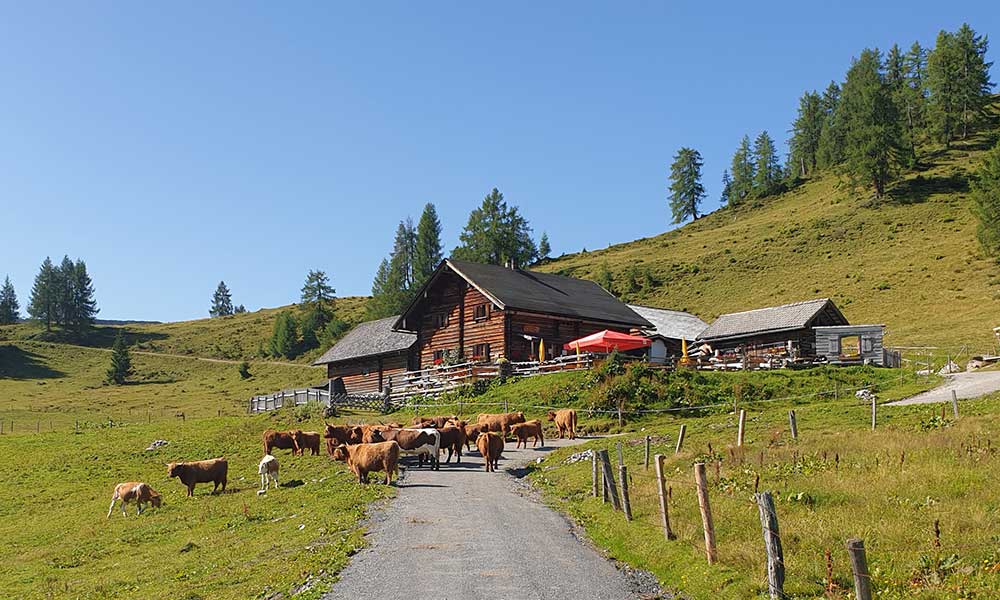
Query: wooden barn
pixel 669 328
pixel 489 312
pixel 854 345
pixel 362 360
pixel 787 330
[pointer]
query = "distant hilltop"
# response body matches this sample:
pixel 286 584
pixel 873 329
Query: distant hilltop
pixel 125 322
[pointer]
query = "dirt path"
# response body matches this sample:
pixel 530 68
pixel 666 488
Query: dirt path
pixel 965 385
pixel 463 534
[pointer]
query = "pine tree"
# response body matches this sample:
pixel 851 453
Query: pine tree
pixel 985 186
pixel 222 301
pixel 806 132
pixel 742 173
pixel 871 124
pixel 974 84
pixel 44 300
pixel 121 361
pixel 958 81
pixel 317 292
pixel 403 251
pixel 830 150
pixel 65 312
pixel 83 307
pixel 9 307
pixel 428 252
pixel 284 336
pixel 387 297
pixel 543 247
pixel 727 185
pixel 686 190
pixel 496 233
pixel 239 310
pixel 767 170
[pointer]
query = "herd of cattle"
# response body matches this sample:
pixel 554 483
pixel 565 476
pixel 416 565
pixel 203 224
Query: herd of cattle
pixel 367 449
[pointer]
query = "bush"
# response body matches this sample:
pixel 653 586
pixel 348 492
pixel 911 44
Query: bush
pixel 245 370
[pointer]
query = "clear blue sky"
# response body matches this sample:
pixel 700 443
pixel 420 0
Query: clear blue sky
pixel 172 146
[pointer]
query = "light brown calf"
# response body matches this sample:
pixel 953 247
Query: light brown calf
pixel 134 491
pixel 365 458
pixel 522 431
pixel 490 447
pixel 565 420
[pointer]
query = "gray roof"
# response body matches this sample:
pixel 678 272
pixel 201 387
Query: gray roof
pixel 373 338
pixel 775 318
pixel 672 324
pixel 540 292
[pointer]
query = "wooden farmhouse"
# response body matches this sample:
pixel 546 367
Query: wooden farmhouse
pixel 801 330
pixel 481 313
pixel 670 327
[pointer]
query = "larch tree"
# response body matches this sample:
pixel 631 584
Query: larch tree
pixel 767 169
pixel 727 186
pixel 495 233
pixel 686 191
pixel 121 361
pixel 806 131
pixel 82 309
pixel 318 299
pixel 284 336
pixel 222 301
pixel 958 82
pixel 44 300
pixel 830 151
pixel 428 251
pixel 871 124
pixel 9 307
pixel 742 170
pixel 544 249
pixel 985 185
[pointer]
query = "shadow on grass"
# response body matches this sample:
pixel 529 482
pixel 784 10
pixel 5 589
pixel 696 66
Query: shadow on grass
pixel 17 363
pixel 96 337
pixel 918 189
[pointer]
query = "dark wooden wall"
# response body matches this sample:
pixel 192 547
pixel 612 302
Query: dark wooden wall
pixel 369 374
pixel 458 300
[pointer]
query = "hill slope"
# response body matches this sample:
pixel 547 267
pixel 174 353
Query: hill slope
pixel 911 262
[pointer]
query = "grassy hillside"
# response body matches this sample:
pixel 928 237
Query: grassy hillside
pixel 236 337
pixel 910 261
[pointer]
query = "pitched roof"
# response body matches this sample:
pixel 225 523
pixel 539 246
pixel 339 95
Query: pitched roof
pixel 774 318
pixel 672 324
pixel 373 338
pixel 540 292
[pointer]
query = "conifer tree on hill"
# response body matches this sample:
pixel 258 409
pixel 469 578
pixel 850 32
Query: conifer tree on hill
pixel 9 306
pixel 742 172
pixel 121 361
pixel 496 233
pixel 428 251
pixel 543 247
pixel 222 301
pixel 686 190
pixel 44 301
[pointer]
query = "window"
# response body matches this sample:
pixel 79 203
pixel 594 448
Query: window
pixel 850 346
pixel 481 312
pixel 481 351
pixel 438 356
pixel 439 320
pixel 867 344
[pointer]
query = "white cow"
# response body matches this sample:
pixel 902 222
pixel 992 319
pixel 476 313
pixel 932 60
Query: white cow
pixel 268 470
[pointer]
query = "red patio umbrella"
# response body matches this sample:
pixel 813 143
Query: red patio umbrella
pixel 606 341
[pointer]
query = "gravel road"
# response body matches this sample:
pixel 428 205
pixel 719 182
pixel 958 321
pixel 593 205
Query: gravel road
pixel 966 385
pixel 464 534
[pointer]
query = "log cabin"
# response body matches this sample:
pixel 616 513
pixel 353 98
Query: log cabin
pixel 478 312
pixel 670 327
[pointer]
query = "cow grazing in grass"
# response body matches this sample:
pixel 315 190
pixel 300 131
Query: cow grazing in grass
pixel 452 439
pixel 491 447
pixel 532 429
pixel 268 470
pixel 365 458
pixel 501 422
pixel 280 439
pixel 202 471
pixel 472 433
pixel 134 491
pixel 565 420
pixel 421 442
pixel 306 440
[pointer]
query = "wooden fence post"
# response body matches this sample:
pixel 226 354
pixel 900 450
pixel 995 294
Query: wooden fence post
pixel 626 505
pixel 621 461
pixel 793 425
pixel 594 478
pixel 874 414
pixel 609 480
pixel 954 403
pixel 772 545
pixel 836 390
pixel 739 433
pixel 680 439
pixel 645 462
pixel 706 512
pixel 859 565
pixel 661 488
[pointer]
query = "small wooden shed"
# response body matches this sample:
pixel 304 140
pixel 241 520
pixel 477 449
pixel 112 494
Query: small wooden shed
pixel 851 344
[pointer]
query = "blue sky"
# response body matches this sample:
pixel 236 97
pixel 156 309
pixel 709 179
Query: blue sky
pixel 172 146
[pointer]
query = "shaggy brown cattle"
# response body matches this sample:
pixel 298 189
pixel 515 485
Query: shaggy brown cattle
pixel 340 434
pixel 501 422
pixel 522 431
pixel 279 439
pixel 414 441
pixel 472 433
pixel 306 440
pixel 565 420
pixel 202 471
pixel 437 422
pixel 490 447
pixel 453 438
pixel 134 491
pixel 365 458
